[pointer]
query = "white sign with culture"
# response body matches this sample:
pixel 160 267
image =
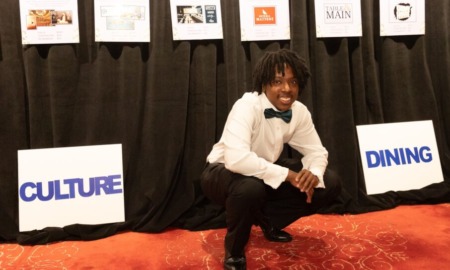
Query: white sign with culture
pixel 69 185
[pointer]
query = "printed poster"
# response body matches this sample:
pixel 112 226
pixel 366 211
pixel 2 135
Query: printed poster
pixel 196 19
pixel 70 185
pixel 48 22
pixel 338 18
pixel 402 17
pixel 264 20
pixel 122 21
pixel 399 156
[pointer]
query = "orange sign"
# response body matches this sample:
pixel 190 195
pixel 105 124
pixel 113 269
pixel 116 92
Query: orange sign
pixel 265 15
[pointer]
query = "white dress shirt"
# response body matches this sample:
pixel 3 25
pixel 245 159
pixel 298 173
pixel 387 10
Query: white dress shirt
pixel 250 143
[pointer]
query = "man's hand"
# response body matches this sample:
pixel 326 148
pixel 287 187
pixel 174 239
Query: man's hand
pixel 305 181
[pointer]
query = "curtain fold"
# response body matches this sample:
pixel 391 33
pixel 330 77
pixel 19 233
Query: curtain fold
pixel 167 101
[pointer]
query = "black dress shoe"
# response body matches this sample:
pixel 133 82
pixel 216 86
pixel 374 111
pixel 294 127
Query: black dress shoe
pixel 235 263
pixel 276 235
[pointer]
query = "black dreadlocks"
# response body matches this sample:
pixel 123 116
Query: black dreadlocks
pixel 272 62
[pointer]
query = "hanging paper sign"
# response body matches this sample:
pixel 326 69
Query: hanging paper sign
pixel 122 20
pixel 338 18
pixel 49 22
pixel 399 156
pixel 196 19
pixel 402 17
pixel 264 20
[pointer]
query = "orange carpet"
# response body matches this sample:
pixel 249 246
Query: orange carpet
pixel 407 237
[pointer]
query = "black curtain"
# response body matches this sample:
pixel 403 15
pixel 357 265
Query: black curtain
pixel 166 102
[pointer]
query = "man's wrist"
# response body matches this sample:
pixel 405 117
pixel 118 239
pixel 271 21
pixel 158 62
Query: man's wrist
pixel 291 176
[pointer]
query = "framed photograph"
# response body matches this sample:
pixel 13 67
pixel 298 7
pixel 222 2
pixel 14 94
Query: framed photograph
pixel 47 22
pixel 264 20
pixel 122 21
pixel 338 18
pixel 402 17
pixel 196 19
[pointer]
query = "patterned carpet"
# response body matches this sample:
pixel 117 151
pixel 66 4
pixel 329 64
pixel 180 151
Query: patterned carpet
pixel 407 237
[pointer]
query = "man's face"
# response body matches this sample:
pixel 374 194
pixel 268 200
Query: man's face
pixel 282 91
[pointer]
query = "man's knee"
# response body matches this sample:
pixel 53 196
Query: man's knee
pixel 248 190
pixel 332 183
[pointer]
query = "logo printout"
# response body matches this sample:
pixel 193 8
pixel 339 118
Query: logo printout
pixel 265 15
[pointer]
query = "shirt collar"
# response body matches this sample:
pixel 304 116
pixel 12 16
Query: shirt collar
pixel 266 103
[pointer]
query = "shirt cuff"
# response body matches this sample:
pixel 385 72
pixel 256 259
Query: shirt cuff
pixel 319 175
pixel 275 176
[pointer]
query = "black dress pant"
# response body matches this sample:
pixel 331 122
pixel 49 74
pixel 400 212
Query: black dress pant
pixel 248 201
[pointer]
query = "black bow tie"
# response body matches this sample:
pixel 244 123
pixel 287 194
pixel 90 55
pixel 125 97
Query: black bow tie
pixel 286 115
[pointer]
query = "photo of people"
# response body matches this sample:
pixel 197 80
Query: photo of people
pixel 64 17
pixel 44 18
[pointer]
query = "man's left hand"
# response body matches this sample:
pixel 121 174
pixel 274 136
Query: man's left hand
pixel 306 182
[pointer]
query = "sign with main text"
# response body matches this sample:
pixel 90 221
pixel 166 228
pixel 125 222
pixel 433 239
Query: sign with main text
pixel 338 18
pixel 70 185
pixel 399 156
